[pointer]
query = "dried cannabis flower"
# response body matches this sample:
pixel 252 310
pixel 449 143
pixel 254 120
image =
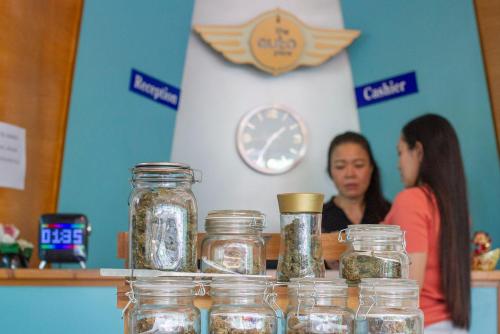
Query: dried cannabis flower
pixel 356 266
pixel 164 230
pixel 394 325
pixel 234 258
pixel 318 323
pixel 244 323
pixel 164 324
pixel 303 255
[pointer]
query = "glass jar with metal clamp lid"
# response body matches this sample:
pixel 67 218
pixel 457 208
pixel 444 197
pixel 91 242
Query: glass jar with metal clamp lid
pixel 301 254
pixel 234 243
pixel 164 305
pixel 163 217
pixel 389 306
pixel 318 305
pixel 242 305
pixel 374 251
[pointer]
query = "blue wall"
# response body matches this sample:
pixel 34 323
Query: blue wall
pixel 84 310
pixel 59 310
pixel 438 40
pixel 111 129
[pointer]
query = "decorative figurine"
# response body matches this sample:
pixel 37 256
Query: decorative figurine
pixel 483 258
pixel 14 252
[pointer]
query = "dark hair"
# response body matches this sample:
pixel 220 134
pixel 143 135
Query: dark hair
pixel 375 203
pixel 442 170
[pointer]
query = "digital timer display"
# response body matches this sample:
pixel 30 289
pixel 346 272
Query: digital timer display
pixel 63 238
pixel 61 235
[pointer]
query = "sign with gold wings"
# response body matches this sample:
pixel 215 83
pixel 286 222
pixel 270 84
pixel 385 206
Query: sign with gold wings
pixel 276 42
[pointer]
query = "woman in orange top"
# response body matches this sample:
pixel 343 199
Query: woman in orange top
pixel 433 210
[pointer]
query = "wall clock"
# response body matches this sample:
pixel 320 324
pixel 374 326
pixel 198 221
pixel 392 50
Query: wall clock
pixel 271 139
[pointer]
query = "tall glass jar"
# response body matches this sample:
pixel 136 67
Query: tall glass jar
pixel 164 305
pixel 318 305
pixel 300 254
pixel 234 243
pixel 240 306
pixel 389 306
pixel 374 251
pixel 163 225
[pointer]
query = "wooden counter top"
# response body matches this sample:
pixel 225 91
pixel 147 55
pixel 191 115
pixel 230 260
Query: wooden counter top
pixel 92 277
pixel 56 277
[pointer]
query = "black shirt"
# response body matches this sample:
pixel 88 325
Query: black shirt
pixel 335 219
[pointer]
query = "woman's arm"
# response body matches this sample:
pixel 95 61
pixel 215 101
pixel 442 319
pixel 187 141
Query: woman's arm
pixel 418 261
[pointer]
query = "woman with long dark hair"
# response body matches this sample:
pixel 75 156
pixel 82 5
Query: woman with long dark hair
pixel 433 210
pixel 355 174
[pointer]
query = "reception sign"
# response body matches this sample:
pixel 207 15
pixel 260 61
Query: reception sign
pixel 154 89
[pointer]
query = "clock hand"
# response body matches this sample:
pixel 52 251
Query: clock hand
pixel 268 143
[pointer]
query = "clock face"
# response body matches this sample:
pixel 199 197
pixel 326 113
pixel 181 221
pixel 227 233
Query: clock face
pixel 271 139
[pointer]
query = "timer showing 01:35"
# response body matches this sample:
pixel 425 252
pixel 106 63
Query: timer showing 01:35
pixel 61 236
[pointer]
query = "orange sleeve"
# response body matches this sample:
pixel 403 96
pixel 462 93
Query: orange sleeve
pixel 410 211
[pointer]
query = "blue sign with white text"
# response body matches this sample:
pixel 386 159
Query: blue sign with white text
pixel 154 89
pixel 387 89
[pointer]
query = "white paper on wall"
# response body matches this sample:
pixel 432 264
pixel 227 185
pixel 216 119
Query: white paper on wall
pixel 12 156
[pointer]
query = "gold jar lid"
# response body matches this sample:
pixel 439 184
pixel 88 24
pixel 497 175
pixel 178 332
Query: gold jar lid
pixel 300 202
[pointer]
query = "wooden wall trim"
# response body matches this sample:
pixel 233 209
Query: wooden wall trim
pixel 38 40
pixel 488 21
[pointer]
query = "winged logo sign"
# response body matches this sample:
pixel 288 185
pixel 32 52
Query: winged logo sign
pixel 276 42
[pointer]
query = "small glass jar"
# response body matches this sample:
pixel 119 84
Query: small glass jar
pixel 374 251
pixel 318 305
pixel 163 217
pixel 234 243
pixel 389 306
pixel 164 305
pixel 301 254
pixel 240 305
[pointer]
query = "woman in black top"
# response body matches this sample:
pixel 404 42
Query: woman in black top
pixel 355 174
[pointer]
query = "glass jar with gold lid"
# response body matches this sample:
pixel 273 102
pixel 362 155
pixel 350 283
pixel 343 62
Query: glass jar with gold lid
pixel 234 243
pixel 300 254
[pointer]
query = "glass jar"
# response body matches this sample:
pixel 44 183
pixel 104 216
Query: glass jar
pixel 301 254
pixel 164 305
pixel 240 305
pixel 374 251
pixel 234 243
pixel 389 306
pixel 318 305
pixel 163 225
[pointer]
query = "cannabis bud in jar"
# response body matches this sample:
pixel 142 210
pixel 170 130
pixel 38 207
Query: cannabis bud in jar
pixel 164 305
pixel 234 243
pixel 374 251
pixel 163 218
pixel 301 254
pixel 389 306
pixel 241 305
pixel 318 305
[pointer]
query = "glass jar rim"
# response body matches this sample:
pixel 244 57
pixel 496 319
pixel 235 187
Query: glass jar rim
pixel 160 286
pixel 234 220
pixel 318 287
pixel 373 232
pixel 388 287
pixel 164 171
pixel 240 286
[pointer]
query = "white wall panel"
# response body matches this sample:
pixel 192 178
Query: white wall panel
pixel 216 94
